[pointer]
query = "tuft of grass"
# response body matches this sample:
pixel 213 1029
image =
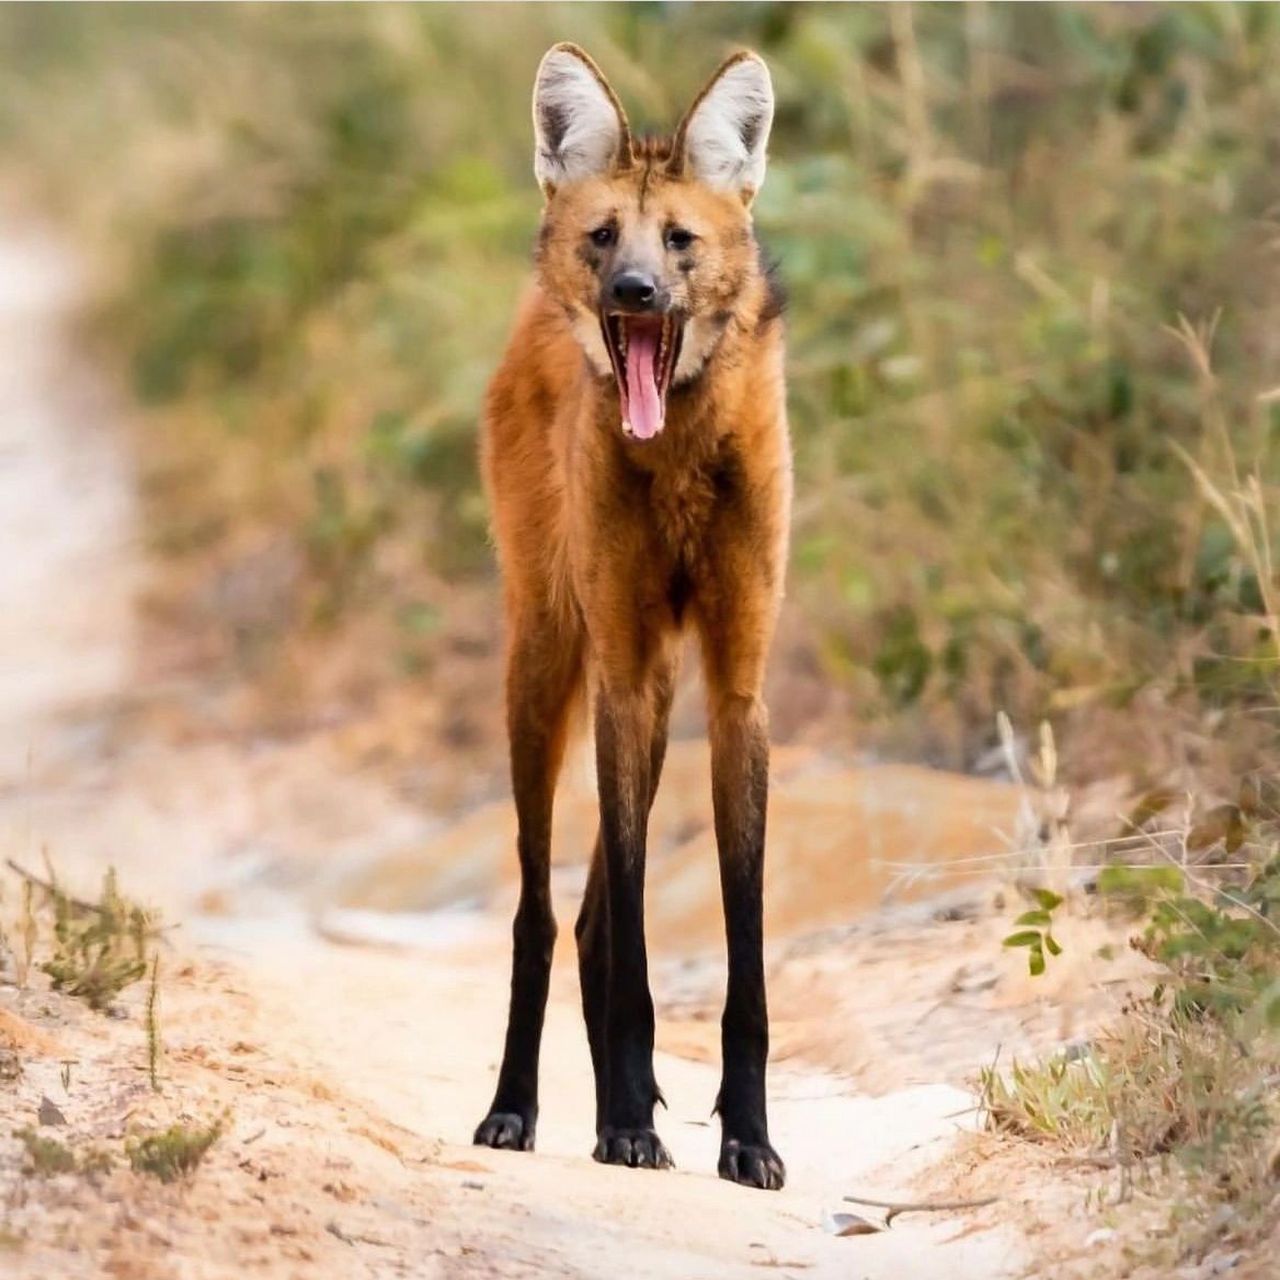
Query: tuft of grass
pixel 175 1152
pixel 1159 1081
pixel 101 950
pixel 46 1156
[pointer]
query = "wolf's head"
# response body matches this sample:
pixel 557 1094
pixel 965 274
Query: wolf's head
pixel 647 243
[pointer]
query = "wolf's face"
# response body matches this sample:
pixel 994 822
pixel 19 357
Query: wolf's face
pixel 647 244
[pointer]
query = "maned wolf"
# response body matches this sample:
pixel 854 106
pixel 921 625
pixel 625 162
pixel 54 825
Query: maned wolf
pixel 636 457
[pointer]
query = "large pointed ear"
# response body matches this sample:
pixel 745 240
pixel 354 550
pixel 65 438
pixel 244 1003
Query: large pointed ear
pixel 722 140
pixel 578 123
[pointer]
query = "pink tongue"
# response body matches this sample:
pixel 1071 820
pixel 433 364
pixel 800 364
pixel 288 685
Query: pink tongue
pixel 644 405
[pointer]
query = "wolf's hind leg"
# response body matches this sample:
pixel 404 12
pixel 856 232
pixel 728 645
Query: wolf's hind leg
pixel 592 928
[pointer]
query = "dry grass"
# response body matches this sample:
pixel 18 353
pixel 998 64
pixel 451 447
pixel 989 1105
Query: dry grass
pixel 1155 1082
pixel 46 1157
pixel 1177 1099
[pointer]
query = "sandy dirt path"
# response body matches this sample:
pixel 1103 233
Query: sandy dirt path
pixel 406 1037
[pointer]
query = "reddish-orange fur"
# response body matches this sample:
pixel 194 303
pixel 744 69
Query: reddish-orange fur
pixel 609 547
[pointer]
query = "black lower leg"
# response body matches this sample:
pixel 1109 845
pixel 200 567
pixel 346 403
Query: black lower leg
pixel 513 1114
pixel 592 929
pixel 537 705
pixel 592 933
pixel 740 771
pixel 624 726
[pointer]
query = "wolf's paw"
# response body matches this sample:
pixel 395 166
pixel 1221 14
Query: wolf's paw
pixel 753 1164
pixel 506 1131
pixel 637 1148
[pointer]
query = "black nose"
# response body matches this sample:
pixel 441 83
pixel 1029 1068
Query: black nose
pixel 633 290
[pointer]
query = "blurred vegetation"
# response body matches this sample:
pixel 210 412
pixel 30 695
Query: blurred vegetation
pixel 992 220
pixel 176 1152
pixel 99 948
pixel 1177 1094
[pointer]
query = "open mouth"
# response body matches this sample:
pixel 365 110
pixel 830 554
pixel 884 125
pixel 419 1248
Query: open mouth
pixel 643 351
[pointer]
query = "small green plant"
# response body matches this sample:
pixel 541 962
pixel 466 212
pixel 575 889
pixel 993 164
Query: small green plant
pixel 1223 955
pixel 1136 889
pixel 1034 930
pixel 153 1024
pixel 175 1152
pixel 1220 946
pixel 46 1156
pixel 99 949
pixel 27 932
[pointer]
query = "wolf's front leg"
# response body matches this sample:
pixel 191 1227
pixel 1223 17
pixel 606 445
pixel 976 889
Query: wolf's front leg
pixel 544 668
pixel 624 734
pixel 740 788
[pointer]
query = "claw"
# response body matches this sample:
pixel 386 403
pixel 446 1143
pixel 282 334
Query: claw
pixel 636 1148
pixel 505 1131
pixel 752 1165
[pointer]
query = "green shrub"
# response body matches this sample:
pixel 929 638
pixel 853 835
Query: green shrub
pixel 174 1153
pixel 1188 1071
pixel 99 949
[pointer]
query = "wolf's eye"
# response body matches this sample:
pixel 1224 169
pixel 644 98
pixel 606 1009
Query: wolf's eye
pixel 602 237
pixel 679 239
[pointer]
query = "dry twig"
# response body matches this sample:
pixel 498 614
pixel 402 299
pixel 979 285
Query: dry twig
pixel 896 1207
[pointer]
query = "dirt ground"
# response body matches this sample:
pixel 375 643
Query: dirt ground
pixel 336 982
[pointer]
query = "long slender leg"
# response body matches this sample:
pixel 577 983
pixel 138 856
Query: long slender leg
pixel 734 647
pixel 625 719
pixel 592 928
pixel 740 788
pixel 592 933
pixel 544 670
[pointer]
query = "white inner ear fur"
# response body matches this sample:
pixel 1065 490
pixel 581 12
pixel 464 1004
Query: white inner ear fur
pixel 726 137
pixel 576 127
